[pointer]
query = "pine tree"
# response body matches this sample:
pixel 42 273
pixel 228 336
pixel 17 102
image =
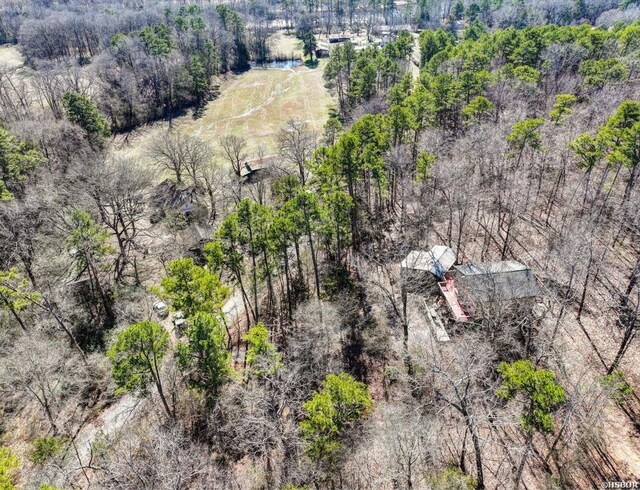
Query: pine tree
pixel 82 111
pixel 136 358
pixel 541 396
pixel 192 288
pixel 204 355
pixel 334 409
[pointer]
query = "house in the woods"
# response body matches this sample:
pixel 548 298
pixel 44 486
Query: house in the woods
pixel 169 196
pixel 257 170
pixel 322 50
pixel 422 270
pixel 470 288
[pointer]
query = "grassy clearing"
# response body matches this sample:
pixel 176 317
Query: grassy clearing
pixel 10 56
pixel 255 105
pixel 284 44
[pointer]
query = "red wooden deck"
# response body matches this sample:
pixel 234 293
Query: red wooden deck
pixel 450 293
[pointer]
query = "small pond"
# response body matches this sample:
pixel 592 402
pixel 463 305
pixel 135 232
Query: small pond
pixel 277 65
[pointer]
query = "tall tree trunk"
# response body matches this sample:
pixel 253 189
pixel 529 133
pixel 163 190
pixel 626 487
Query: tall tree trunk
pixel 156 374
pixel 523 460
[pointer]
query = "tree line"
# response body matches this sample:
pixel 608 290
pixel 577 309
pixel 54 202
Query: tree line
pixel 510 144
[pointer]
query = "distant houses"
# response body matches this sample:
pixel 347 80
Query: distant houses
pixel 180 198
pixel 322 50
pixel 339 39
pixel 378 37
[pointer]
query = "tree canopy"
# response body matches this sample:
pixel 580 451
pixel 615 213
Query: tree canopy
pixel 542 395
pixel 331 411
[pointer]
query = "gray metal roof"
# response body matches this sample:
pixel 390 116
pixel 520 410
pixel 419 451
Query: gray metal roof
pixel 437 261
pixel 491 268
pixel 507 280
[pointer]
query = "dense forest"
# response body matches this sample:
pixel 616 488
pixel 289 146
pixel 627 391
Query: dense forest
pixel 183 311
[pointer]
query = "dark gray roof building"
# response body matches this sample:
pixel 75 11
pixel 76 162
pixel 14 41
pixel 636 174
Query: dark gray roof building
pixel 501 281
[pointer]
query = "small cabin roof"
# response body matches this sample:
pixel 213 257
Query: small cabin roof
pixel 437 261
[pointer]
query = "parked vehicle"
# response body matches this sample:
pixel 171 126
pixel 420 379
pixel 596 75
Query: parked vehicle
pixel 161 309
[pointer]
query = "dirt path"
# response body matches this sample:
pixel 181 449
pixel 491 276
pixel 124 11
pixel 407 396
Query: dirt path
pixel 108 424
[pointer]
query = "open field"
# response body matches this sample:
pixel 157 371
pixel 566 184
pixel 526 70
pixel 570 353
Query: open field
pixel 283 44
pixel 10 56
pixel 255 105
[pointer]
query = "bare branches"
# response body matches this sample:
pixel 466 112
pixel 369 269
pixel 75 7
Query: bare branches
pixel 234 150
pixel 296 144
pixel 180 154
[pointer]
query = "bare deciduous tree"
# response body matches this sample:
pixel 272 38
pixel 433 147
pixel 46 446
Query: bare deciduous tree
pixel 156 456
pixel 211 180
pixel 234 150
pixel 180 154
pixel 296 144
pixel 45 371
pixel 119 189
pixel 460 376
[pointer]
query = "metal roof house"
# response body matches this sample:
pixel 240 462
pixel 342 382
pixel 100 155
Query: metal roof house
pixel 437 261
pixel 322 50
pixel 471 285
pixel 502 281
pixel 421 270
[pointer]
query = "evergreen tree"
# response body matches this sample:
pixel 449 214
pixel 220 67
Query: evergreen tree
pixel 262 355
pixel 192 288
pixel 525 134
pixel 17 159
pixel 562 107
pixel 205 355
pixel 136 358
pixel 540 394
pixel 15 295
pixel 478 109
pixel 8 464
pixel 330 412
pixel 88 244
pixel 157 40
pixel 309 44
pixel 82 111
pixel 200 82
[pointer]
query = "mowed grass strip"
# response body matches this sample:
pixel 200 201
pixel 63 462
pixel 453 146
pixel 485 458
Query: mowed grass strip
pixel 254 105
pixel 258 106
